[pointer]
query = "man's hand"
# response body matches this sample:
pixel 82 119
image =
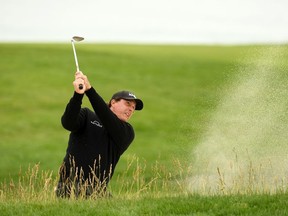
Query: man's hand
pixel 80 78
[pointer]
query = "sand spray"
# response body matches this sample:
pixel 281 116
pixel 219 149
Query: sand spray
pixel 245 147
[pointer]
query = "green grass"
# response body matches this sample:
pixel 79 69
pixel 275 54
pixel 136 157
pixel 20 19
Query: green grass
pixel 182 205
pixel 180 86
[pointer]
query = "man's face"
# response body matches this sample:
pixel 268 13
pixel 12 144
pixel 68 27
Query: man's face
pixel 123 108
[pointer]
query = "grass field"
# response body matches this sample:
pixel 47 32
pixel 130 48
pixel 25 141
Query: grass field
pixel 181 87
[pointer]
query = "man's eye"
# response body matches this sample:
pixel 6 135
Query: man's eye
pixel 130 104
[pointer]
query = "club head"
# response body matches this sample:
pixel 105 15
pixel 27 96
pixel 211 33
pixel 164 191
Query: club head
pixel 77 38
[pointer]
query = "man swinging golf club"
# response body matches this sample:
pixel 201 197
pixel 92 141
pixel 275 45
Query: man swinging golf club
pixel 97 140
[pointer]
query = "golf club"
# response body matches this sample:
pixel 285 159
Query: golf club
pixel 77 39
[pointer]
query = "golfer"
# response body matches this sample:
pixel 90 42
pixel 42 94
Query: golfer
pixel 97 140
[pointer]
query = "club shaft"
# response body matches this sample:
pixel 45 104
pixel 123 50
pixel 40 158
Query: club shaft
pixel 76 61
pixel 75 56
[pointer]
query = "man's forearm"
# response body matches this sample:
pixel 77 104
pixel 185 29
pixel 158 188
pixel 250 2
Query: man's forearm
pixel 70 117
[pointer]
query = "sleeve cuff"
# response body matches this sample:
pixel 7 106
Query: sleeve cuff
pixel 78 96
pixel 89 92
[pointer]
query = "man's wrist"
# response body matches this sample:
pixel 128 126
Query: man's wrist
pixel 77 96
pixel 88 88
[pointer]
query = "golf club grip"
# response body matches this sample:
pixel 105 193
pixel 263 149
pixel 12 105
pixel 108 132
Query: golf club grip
pixel 80 86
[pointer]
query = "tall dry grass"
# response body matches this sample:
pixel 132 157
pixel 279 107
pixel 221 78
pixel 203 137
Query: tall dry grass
pixel 36 184
pixel 39 185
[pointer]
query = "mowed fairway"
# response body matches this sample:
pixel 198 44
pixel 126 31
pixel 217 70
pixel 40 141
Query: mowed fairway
pixel 180 87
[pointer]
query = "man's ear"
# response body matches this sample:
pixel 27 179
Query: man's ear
pixel 113 101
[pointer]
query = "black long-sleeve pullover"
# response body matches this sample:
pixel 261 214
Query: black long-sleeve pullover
pixel 97 139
